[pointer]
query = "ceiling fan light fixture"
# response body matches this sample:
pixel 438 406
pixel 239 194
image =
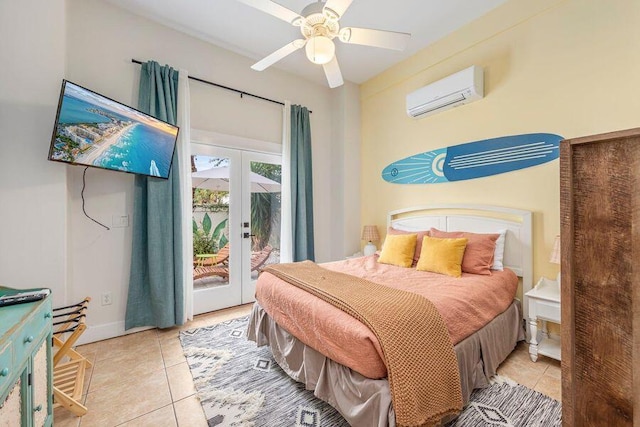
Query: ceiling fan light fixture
pixel 320 50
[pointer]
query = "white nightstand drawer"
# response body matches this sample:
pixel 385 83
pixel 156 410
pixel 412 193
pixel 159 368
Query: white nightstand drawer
pixel 546 310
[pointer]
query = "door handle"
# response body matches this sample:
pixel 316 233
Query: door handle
pixel 247 235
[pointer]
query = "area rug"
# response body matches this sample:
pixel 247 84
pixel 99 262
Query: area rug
pixel 240 385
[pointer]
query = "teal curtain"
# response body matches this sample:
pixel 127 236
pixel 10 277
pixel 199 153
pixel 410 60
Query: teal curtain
pixel 301 185
pixel 156 293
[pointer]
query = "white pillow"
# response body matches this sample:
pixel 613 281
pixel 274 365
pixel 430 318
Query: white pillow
pixel 498 254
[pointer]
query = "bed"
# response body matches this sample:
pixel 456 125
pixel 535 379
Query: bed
pixel 353 381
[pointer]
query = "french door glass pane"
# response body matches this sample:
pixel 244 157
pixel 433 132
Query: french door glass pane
pixel 265 215
pixel 211 196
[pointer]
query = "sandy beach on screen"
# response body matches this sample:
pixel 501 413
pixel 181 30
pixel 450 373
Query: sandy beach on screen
pixel 102 146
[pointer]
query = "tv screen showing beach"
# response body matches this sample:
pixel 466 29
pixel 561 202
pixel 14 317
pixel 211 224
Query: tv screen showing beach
pixel 93 130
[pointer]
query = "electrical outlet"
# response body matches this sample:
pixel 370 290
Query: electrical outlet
pixel 106 298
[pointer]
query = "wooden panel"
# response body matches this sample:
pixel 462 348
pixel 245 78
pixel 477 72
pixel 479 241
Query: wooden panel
pixel 566 283
pixel 599 205
pixel 635 315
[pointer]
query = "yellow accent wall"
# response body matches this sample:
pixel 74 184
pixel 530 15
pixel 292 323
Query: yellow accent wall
pixel 570 67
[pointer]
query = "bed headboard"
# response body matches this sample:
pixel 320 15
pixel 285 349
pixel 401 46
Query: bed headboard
pixel 518 252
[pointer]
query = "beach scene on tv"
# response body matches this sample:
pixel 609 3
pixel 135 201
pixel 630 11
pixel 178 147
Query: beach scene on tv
pixel 95 131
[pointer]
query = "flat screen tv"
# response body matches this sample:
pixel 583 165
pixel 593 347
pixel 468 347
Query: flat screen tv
pixel 93 130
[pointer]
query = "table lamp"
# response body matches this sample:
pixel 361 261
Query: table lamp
pixel 370 234
pixel 555 255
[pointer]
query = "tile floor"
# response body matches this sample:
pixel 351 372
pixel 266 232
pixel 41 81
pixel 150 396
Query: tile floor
pixel 143 379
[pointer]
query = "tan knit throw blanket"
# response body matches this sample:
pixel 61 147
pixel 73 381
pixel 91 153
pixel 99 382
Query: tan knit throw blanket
pixel 421 363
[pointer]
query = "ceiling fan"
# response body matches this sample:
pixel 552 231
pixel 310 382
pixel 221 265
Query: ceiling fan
pixel 319 25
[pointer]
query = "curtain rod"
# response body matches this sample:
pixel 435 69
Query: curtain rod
pixel 241 92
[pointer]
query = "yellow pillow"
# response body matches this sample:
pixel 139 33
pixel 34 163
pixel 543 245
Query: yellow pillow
pixel 398 249
pixel 442 256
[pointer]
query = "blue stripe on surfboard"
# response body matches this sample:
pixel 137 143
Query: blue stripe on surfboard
pixel 475 159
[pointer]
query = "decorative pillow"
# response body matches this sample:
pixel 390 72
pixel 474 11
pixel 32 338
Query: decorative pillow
pixel 420 235
pixel 498 255
pixel 398 250
pixel 478 257
pixel 442 256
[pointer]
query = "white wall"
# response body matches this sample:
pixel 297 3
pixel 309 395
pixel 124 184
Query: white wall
pixel 102 39
pixel 33 194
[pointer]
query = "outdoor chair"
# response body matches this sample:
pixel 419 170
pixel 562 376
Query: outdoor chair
pixel 257 260
pixel 220 258
pixel 69 366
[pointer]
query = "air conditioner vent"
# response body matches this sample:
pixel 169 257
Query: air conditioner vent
pixel 460 88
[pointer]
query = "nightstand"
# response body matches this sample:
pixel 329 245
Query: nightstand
pixel 544 305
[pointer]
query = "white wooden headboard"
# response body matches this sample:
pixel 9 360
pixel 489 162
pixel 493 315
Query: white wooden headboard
pixel 518 252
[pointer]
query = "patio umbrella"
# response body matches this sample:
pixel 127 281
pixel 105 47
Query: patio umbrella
pixel 217 179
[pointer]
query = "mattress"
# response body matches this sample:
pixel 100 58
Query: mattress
pixel 466 304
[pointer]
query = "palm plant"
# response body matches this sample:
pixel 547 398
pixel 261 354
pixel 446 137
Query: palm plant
pixel 204 240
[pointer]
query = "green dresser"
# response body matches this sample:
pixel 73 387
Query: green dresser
pixel 26 374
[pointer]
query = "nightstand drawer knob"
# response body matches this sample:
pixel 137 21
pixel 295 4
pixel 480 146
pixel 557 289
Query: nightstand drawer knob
pixel 47 315
pixel 28 339
pixel 37 408
pixel 4 372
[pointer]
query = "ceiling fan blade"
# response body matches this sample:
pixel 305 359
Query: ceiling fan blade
pixel 377 38
pixel 274 9
pixel 336 8
pixel 332 71
pixel 278 54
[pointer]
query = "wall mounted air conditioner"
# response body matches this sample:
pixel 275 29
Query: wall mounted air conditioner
pixel 457 89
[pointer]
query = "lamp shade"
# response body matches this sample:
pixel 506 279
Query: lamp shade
pixel 320 49
pixel 555 253
pixel 370 233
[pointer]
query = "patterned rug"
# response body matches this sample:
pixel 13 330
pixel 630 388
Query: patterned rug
pixel 240 385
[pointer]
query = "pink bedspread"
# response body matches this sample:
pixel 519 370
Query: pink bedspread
pixel 466 304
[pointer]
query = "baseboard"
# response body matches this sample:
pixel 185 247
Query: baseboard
pixel 106 331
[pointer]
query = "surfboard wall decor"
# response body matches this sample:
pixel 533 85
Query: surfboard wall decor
pixel 475 159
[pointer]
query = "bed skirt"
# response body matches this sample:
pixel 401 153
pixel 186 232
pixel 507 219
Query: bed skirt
pixel 364 401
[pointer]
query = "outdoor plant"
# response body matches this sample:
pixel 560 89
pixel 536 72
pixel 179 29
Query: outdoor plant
pixel 206 240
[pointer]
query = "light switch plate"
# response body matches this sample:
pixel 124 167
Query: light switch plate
pixel 120 221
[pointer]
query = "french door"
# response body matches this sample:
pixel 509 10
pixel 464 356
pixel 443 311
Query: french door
pixel 236 223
